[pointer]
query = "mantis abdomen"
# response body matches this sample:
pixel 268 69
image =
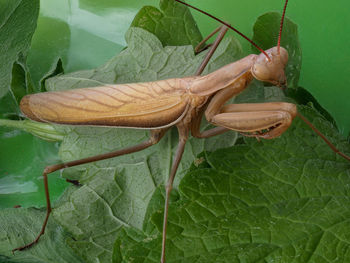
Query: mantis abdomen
pixel 138 105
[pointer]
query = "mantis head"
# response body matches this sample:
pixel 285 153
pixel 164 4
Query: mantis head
pixel 271 69
pixel 269 65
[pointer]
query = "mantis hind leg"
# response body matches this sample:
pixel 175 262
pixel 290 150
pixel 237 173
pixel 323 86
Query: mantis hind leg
pixel 183 135
pixel 155 137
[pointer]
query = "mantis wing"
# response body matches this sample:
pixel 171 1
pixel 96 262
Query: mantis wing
pixel 138 105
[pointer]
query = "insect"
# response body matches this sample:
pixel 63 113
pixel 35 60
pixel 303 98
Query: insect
pixel 180 102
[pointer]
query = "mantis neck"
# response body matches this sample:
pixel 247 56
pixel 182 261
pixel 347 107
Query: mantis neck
pixel 221 78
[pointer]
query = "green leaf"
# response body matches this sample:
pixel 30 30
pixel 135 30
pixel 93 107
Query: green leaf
pixel 266 30
pixel 18 83
pixel 49 48
pixel 17 25
pixel 173 24
pixel 18 88
pixel 9 107
pixel 20 226
pixel 281 200
pixel 131 179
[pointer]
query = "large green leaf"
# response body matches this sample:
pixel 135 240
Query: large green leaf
pixel 173 24
pixel 282 200
pixel 17 25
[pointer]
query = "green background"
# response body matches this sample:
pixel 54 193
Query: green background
pixel 86 33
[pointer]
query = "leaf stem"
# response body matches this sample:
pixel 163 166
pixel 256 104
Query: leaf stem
pixel 44 131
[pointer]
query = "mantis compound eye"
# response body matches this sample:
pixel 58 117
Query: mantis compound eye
pixel 271 70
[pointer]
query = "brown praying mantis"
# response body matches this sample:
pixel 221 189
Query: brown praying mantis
pixel 179 102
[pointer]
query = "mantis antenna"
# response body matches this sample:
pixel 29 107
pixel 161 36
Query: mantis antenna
pixel 281 26
pixel 228 25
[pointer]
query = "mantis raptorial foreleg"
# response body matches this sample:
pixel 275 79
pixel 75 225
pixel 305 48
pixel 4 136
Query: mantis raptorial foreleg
pixel 156 135
pixel 250 119
pixel 257 119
